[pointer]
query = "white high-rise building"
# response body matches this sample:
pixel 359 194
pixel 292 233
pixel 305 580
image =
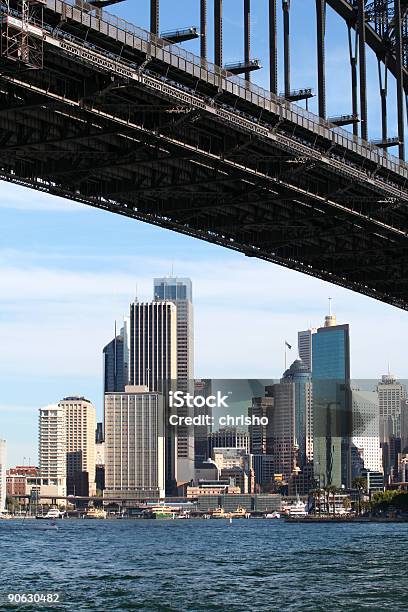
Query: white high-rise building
pixel 52 450
pixel 390 393
pixel 179 292
pixel 134 444
pixel 365 441
pixel 80 420
pixel 305 347
pixel 3 468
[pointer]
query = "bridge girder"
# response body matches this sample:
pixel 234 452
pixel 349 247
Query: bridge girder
pixel 188 154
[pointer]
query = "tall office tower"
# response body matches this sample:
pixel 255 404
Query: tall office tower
pixel 201 432
pixel 80 423
pixel 390 393
pixel 125 333
pixel 134 444
pixel 404 425
pixel 281 437
pixel 228 437
pixel 261 407
pixel 114 365
pixel 153 363
pixel 365 442
pixel 332 423
pixel 3 469
pixel 53 449
pixel 153 344
pixel 305 346
pixel 300 376
pixel 263 467
pixel 99 437
pixel 179 291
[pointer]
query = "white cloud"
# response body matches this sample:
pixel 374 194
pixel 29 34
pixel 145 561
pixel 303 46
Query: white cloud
pixel 55 321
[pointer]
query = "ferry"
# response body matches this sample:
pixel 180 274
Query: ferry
pixel 96 513
pixel 162 512
pixel 240 512
pixel 298 508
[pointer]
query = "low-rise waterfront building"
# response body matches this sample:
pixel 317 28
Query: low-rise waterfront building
pixel 250 502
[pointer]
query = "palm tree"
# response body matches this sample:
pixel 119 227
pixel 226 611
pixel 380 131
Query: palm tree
pixel 346 504
pixel 332 490
pixel 315 494
pixel 327 491
pixel 360 484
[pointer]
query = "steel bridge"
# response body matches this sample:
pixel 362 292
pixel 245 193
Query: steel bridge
pixel 98 110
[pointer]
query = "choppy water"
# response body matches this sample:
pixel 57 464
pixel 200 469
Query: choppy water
pixel 188 566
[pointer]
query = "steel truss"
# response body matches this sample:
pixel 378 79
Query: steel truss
pixel 125 130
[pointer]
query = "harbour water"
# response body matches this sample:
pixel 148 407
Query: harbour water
pixel 199 565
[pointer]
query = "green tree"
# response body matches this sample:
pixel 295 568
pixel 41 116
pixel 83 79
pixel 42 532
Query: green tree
pixel 347 504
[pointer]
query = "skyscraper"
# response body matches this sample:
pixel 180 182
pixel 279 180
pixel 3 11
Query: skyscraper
pixel 331 403
pixel 153 364
pixel 179 292
pixel 404 425
pixel 114 365
pixel 300 376
pixel 390 394
pixel 201 432
pixel 153 344
pixel 134 444
pixel 52 449
pixel 305 348
pixel 3 467
pixel 289 431
pixel 262 407
pixel 80 423
pixel 365 442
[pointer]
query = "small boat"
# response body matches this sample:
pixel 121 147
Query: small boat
pixel 53 513
pixel 273 515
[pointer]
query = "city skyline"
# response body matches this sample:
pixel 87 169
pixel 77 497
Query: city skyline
pixel 320 428
pixel 28 450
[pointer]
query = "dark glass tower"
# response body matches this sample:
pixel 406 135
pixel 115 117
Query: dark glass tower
pixel 114 367
pixel 331 404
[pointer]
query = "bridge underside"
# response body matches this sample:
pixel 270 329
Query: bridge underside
pixel 74 131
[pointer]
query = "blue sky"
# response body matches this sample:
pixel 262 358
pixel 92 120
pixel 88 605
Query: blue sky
pixel 67 271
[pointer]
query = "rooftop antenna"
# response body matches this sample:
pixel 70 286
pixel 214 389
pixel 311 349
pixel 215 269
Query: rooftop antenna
pixel 136 294
pixel 330 306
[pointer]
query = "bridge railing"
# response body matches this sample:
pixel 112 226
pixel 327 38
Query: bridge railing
pixel 375 153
